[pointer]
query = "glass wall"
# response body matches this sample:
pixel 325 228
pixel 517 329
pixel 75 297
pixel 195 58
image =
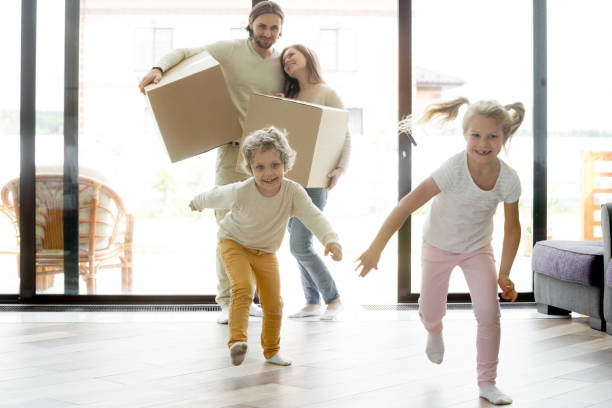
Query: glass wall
pixel 174 249
pixel 171 251
pixel 358 49
pixel 10 28
pixel 480 50
pixel 579 127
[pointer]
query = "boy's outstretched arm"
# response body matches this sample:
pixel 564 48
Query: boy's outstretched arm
pixel 335 250
pixel 407 205
pixel 512 238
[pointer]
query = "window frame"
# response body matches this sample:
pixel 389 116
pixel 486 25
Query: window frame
pixel 27 139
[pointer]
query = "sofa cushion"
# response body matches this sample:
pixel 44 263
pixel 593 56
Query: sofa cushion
pixel 572 261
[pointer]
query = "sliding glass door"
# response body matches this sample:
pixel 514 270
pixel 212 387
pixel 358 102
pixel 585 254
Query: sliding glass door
pixel 580 132
pixel 130 235
pixel 480 50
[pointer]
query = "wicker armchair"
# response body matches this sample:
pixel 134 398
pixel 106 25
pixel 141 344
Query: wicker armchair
pixel 105 229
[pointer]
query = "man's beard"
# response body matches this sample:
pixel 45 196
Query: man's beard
pixel 261 44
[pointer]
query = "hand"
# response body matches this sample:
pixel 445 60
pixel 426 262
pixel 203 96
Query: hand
pixel 367 261
pixel 334 175
pixel 507 287
pixel 335 250
pixel 192 206
pixel 154 76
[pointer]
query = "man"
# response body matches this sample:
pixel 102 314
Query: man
pixel 249 66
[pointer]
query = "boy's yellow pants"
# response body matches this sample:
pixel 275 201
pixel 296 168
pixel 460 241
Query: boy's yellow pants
pixel 249 268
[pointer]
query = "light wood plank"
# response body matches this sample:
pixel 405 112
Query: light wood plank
pixel 368 359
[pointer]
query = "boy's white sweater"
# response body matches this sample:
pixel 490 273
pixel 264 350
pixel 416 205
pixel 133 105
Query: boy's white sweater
pixel 259 222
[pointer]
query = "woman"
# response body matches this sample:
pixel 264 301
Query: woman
pixel 304 83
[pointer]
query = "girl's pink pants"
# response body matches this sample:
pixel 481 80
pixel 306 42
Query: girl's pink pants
pixel 479 271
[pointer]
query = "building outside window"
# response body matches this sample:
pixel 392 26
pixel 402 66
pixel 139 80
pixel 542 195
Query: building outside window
pixel 150 44
pixel 338 49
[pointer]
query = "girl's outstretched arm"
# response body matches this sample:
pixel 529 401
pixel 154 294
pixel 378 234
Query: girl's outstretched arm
pixel 512 238
pixel 407 205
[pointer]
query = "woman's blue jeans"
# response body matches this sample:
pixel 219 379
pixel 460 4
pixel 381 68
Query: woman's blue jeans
pixel 315 275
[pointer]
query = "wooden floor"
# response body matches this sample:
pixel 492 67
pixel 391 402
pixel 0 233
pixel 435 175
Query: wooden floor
pixel 367 359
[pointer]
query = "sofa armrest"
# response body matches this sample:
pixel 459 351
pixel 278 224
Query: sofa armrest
pixel 606 218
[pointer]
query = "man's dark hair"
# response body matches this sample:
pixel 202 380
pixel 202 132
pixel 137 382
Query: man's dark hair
pixel 264 7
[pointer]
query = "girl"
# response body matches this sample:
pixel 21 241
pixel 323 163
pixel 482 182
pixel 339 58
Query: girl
pixel 252 231
pixel 303 82
pixel 466 190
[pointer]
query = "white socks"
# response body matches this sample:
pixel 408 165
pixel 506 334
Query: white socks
pixel 224 316
pixel 238 352
pixel 435 348
pixel 279 360
pixel 333 310
pixel 255 310
pixel 307 311
pixel 494 395
pixel 435 353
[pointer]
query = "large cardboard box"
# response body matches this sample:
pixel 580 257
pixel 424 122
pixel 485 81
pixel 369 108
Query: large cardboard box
pixel 315 132
pixel 193 109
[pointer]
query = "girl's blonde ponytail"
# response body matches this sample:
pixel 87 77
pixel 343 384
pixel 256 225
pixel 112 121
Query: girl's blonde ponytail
pixel 446 110
pixel 517 116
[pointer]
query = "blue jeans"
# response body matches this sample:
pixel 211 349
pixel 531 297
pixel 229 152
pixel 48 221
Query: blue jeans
pixel 315 275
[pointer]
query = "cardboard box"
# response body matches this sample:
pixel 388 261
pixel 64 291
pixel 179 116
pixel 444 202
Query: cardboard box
pixel 315 132
pixel 193 109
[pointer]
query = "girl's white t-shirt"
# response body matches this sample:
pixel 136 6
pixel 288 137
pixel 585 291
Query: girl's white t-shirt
pixel 461 216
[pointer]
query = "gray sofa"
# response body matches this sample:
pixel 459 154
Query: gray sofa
pixel 569 276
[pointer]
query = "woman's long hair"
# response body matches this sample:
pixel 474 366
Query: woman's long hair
pixel 292 86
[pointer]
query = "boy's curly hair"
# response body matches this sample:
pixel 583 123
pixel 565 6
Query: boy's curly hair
pixel 263 140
